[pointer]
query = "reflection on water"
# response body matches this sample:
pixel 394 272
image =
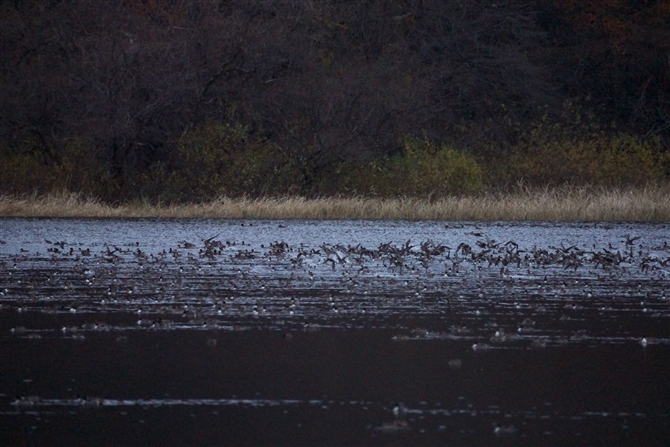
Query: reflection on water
pixel 299 332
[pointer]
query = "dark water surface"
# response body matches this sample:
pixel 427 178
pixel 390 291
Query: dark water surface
pixel 216 332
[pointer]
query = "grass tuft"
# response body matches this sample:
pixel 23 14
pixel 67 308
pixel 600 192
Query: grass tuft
pixel 644 204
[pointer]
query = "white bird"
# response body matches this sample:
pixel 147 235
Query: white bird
pixel 400 411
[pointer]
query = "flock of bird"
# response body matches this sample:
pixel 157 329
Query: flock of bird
pixel 485 293
pixel 200 283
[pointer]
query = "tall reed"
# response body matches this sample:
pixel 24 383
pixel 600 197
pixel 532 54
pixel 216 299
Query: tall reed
pixel 644 204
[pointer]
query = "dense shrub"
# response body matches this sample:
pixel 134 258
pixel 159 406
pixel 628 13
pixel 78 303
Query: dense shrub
pixel 596 159
pixel 226 159
pixel 28 169
pixel 423 169
pixel 21 171
pixel 223 159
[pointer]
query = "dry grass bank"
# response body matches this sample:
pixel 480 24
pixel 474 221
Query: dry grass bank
pixel 648 204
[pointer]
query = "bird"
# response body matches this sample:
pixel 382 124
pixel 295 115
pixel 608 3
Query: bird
pixel 630 240
pixel 28 401
pixel 92 402
pixel 480 347
pixel 400 411
pixel 500 430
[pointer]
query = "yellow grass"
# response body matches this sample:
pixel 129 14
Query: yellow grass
pixel 648 204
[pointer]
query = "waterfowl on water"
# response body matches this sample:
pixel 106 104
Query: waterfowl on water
pixel 400 411
pixel 480 347
pixel 538 343
pixel 91 402
pixel 394 427
pixel 500 430
pixel 27 401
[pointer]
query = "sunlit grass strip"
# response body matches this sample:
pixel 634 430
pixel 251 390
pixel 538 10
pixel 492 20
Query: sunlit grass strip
pixel 648 204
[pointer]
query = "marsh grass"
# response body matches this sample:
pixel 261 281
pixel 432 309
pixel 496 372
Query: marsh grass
pixel 645 204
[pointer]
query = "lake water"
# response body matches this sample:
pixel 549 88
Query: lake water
pixel 231 332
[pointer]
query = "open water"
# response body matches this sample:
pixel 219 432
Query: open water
pixel 231 332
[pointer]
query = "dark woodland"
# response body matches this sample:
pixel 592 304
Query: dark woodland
pixel 182 100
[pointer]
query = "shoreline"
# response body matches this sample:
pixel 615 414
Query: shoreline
pixel 644 204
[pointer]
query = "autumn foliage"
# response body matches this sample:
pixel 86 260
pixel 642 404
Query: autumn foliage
pixel 191 100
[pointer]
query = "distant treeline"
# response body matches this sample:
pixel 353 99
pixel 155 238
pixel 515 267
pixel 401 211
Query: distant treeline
pixel 182 100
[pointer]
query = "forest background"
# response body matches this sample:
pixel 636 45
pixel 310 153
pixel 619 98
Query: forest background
pixel 177 101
